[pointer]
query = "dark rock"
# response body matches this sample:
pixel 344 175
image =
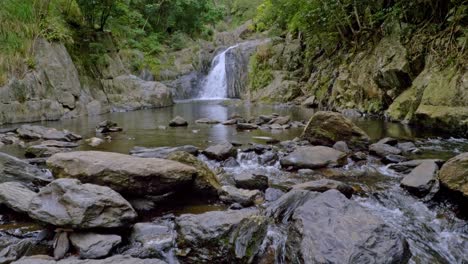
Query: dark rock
pixel 388 141
pixel 310 102
pixel 394 159
pixel 283 208
pixel 246 126
pixel 268 158
pixel 230 194
pixel 220 152
pixel 162 152
pixel 329 228
pixel 382 150
pixel 230 122
pixel 251 181
pixel 407 166
pixel 207 121
pixel 92 245
pixel 230 163
pixel 421 179
pixel 68 203
pixel 326 128
pixel 246 239
pixel 178 122
pixel 324 185
pixel 13 248
pixel 107 127
pixel 313 158
pixel 49 148
pixel 358 156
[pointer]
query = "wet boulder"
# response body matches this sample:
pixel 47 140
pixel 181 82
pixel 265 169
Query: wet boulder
pixel 454 174
pixel 330 228
pixel 153 240
pixel 327 128
pixel 389 159
pixel 282 209
pixel 13 248
pixel 206 182
pixel 421 179
pixel 14 169
pixel 123 173
pixel 221 151
pixel 324 185
pixel 313 158
pixel 117 259
pixel 251 181
pixel 383 150
pixel 92 245
pixel 207 121
pixel 16 196
pixel 273 194
pixel 230 194
pixel 247 238
pixel 68 203
pixel 246 126
pixel 178 122
pixel 162 152
pixel 107 127
pixel 45 133
pixel 208 235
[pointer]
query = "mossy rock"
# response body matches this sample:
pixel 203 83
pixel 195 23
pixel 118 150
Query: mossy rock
pixel 206 181
pixel 454 174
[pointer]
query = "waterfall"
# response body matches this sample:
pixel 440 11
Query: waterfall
pixel 214 86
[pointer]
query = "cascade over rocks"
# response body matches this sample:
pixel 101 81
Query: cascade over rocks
pixel 327 128
pixel 69 203
pixel 123 173
pixel 331 228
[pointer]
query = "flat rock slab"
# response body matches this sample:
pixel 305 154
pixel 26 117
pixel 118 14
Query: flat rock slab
pixel 314 158
pixel 39 132
pixel 421 179
pixel 161 152
pixel 123 173
pixel 68 203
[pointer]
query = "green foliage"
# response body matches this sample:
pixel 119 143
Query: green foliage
pixel 260 72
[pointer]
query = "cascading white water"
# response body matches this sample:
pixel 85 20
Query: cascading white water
pixel 215 86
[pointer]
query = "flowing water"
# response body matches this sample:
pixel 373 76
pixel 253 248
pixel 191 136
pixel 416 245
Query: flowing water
pixel 214 86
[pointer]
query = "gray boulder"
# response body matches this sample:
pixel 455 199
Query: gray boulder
pixel 273 194
pixel 408 166
pixel 48 148
pixel 382 150
pixel 178 122
pixel 16 196
pixel 230 194
pixel 332 229
pixel 282 209
pixel 313 158
pixel 162 152
pixel 92 245
pixel 68 203
pixel 13 169
pixel 342 146
pixel 388 141
pixel 123 173
pixel 246 126
pixel 221 151
pixel 324 185
pixel 454 174
pixel 39 132
pixel 421 180
pixel 251 181
pixel 117 259
pixel 208 235
pixel 13 248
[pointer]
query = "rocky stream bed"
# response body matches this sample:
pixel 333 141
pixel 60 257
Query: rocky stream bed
pixel 231 183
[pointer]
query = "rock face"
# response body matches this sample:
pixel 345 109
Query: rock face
pixel 327 128
pixel 13 169
pixel 332 229
pixel 123 173
pixel 206 182
pixel 221 151
pixel 454 174
pixel 112 260
pixel 16 196
pixel 68 203
pixel 204 232
pixel 422 178
pixel 313 158
pixel 93 246
pixel 324 185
